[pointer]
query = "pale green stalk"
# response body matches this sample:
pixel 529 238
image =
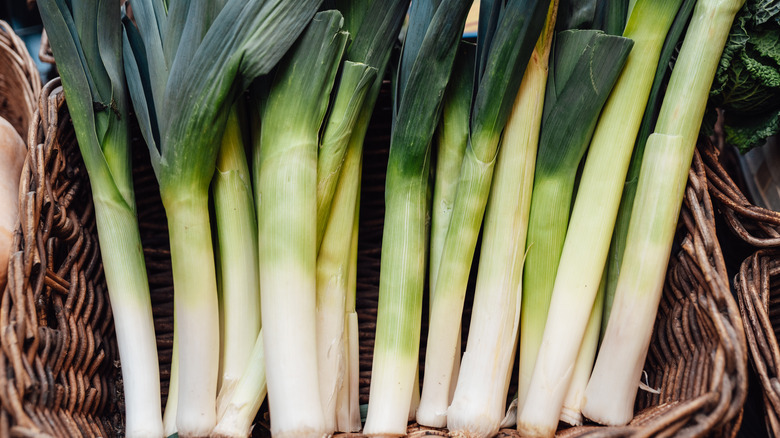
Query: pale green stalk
pixel 618 243
pixel 519 25
pixel 452 137
pixel 584 67
pixel 427 68
pixel 610 399
pixel 585 248
pixel 237 241
pixel 353 88
pixel 333 279
pixel 478 406
pixel 617 374
pixel 186 66
pixel 571 412
pixel 339 164
pixel 286 197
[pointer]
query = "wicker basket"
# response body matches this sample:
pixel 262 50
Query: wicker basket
pixel 20 82
pixel 757 283
pixel 60 370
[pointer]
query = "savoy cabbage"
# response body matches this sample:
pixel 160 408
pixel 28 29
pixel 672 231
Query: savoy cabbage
pixel 747 82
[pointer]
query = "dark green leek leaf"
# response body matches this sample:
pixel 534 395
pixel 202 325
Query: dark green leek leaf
pixel 583 84
pixel 420 16
pixel 244 41
pixel 518 29
pixel 611 16
pixel 428 74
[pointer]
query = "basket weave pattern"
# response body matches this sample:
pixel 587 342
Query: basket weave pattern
pixel 59 372
pixel 20 82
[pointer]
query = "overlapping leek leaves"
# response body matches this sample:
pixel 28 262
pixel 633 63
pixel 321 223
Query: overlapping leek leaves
pixel 517 29
pixel 585 67
pixel 584 251
pixel 423 74
pixel 478 405
pixel 374 27
pixel 86 40
pixel 186 63
pixel 611 391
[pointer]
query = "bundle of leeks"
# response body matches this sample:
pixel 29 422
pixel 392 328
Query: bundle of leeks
pixel 533 130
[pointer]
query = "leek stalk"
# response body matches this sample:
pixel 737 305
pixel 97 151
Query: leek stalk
pixel 340 161
pixel 572 106
pixel 571 411
pixel 236 226
pixel 618 243
pixel 89 61
pixel 519 25
pixel 186 66
pixel 452 136
pixel 477 408
pixel 286 173
pixel 585 248
pixel 612 388
pixel 427 68
pixel 451 140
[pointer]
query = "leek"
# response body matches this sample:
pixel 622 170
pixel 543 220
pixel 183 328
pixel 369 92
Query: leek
pixel 333 258
pixel 285 163
pixel 452 136
pixel 477 408
pixel 618 243
pixel 612 389
pixel 572 106
pixel 236 226
pixel 518 27
pixel 186 66
pixel 340 160
pixel 571 411
pixel 426 68
pixel 89 61
pixel 451 140
pixel 584 252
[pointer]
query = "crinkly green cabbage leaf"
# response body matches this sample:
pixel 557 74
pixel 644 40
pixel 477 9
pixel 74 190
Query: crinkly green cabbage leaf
pixel 747 82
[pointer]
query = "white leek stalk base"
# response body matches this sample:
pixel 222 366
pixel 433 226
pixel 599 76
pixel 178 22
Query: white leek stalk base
pixel 571 413
pixel 241 409
pixel 391 419
pixel 125 273
pixel 291 364
pixel 196 312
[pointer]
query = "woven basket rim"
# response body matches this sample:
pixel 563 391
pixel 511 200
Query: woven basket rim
pixel 20 72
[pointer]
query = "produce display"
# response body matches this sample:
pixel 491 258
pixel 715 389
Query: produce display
pixel 544 162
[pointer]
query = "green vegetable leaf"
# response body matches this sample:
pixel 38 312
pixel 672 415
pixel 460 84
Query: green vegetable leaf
pixel 747 83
